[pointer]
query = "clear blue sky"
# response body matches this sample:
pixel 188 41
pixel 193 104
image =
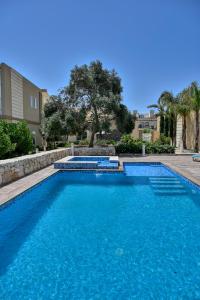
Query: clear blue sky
pixel 154 45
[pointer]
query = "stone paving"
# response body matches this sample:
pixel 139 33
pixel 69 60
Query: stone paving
pixel 184 165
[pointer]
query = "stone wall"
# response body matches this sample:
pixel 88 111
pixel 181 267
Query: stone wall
pixel 95 151
pixel 15 168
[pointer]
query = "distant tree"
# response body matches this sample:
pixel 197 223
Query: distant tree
pixel 95 90
pixel 161 111
pixel 167 112
pixel 53 128
pixel 184 109
pixel 124 119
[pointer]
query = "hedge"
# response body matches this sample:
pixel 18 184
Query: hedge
pixel 15 139
pixel 129 145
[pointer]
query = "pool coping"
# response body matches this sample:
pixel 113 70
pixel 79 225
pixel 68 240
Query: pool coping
pixel 67 163
pixel 14 189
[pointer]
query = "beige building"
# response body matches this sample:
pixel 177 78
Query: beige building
pixel 147 121
pixel 20 99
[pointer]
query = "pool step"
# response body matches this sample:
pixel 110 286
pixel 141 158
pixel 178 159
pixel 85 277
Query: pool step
pixel 170 192
pixel 167 186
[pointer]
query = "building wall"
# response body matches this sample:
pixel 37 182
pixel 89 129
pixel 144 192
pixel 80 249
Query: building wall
pixel 146 123
pixel 6 103
pixel 190 131
pixel 31 103
pixel 21 100
pixel 17 95
pixel 179 129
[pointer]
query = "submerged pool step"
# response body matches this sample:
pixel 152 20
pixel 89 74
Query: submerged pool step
pixel 170 192
pixel 165 186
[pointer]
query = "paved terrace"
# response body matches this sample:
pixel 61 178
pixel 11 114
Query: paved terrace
pixel 181 164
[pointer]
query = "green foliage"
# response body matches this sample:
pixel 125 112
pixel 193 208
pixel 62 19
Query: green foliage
pixel 105 142
pixel 97 91
pixel 129 145
pixel 15 139
pixel 5 145
pixel 84 142
pixel 165 140
pixel 124 119
pixel 22 137
pixel 147 130
pixel 54 127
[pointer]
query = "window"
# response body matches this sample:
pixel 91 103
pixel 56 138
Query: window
pixel 33 102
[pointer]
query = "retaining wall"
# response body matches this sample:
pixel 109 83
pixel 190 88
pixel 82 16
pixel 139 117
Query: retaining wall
pixel 15 168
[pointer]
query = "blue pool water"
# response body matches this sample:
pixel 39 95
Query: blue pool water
pixel 89 158
pixel 87 235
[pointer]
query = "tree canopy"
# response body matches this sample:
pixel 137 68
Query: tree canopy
pixel 91 101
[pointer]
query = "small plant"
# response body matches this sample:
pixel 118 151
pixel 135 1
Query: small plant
pixel 147 130
pixel 83 143
pixel 105 142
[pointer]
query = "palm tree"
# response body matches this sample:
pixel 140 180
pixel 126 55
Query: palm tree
pixel 167 111
pixel 195 98
pixel 161 108
pixel 183 109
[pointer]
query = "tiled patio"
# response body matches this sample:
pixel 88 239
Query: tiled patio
pixel 181 164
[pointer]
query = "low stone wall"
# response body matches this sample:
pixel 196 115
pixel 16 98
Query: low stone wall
pixel 95 151
pixel 15 168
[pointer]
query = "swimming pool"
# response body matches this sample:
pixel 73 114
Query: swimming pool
pixel 94 235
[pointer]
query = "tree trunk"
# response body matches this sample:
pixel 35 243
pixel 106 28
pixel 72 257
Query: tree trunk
pixel 162 124
pixel 197 131
pixel 166 129
pixel 44 144
pixel 91 144
pixel 174 131
pixel 184 133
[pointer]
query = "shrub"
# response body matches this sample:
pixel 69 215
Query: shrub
pixel 164 140
pixel 147 130
pixel 6 145
pixel 105 142
pixel 15 139
pixel 129 145
pixel 83 142
pixel 23 138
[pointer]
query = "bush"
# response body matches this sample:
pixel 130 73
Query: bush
pixel 6 145
pixel 129 145
pixel 23 138
pixel 164 140
pixel 15 139
pixel 147 130
pixel 105 142
pixel 83 143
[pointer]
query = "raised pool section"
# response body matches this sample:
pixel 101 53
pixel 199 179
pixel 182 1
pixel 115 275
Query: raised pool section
pixel 88 162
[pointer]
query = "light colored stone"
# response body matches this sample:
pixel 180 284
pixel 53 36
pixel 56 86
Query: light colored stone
pixel 15 168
